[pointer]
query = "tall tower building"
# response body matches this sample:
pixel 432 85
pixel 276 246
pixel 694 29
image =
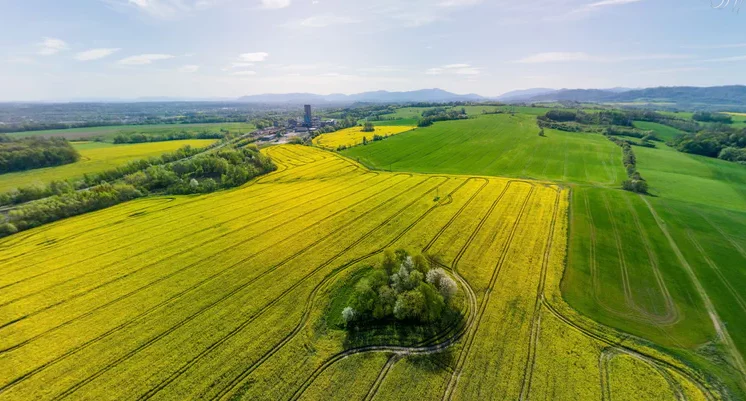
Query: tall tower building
pixel 307 115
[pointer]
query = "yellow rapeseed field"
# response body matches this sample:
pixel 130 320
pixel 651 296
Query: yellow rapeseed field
pixel 95 157
pixel 224 296
pixel 353 136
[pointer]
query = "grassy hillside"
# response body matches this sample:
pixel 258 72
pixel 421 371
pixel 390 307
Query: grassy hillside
pixel 663 132
pixel 95 157
pixel 500 145
pixel 226 296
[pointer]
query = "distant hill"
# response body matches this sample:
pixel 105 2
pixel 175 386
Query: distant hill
pixel 524 94
pixel 423 95
pixel 683 95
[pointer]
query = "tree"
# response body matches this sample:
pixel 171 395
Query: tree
pixel 410 305
pixel 348 314
pixel 368 127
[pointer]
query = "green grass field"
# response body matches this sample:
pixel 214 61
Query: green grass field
pixel 109 132
pixel 499 145
pixel 95 157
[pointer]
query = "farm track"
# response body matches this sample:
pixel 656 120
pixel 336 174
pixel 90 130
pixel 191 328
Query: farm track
pixel 133 271
pixel 432 348
pixel 381 377
pixel 269 270
pixel 536 321
pixel 453 382
pixel 218 224
pixel 310 301
pixel 189 266
pixel 716 269
pixel 716 321
pixel 116 225
pixel 263 309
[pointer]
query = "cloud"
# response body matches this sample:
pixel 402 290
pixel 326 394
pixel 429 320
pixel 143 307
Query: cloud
pixel 275 4
pixel 589 9
pixel 50 46
pixel 244 73
pixel 163 9
pixel 321 21
pixel 607 3
pixel 143 59
pixel 253 57
pixel 188 68
pixel 458 3
pixel 562 57
pixel 453 69
pixel 95 54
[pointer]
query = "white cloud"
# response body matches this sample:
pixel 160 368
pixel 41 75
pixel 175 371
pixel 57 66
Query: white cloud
pixel 95 54
pixel 50 46
pixel 143 59
pixel 321 21
pixel 607 3
pixel 188 68
pixel 244 73
pixel 552 57
pixel 275 4
pixel 560 57
pixel 458 3
pixel 253 57
pixel 453 69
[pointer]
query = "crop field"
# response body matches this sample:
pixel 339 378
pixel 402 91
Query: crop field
pixel 95 157
pixel 109 132
pixel 224 296
pixel 499 145
pixel 353 136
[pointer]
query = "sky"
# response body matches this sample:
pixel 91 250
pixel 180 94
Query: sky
pixel 126 49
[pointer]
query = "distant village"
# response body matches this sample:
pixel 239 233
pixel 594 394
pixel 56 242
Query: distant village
pixel 300 126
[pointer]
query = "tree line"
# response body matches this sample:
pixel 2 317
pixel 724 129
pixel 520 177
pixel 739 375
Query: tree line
pixel 430 116
pixel 34 152
pixel 224 168
pixel 402 287
pixel 172 136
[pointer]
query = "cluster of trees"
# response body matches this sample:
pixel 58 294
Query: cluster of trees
pixel 34 192
pixel 174 136
pixel 224 168
pixel 430 116
pixel 403 288
pixel 714 142
pixel 368 127
pixel 603 117
pixel 707 117
pixel 34 152
pixel 634 181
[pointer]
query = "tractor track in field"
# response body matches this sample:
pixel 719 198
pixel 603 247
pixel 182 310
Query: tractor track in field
pixel 103 234
pixel 712 312
pixel 223 212
pixel 155 263
pixel 432 348
pixel 474 326
pixel 619 347
pixel 260 311
pixel 611 352
pixel 393 359
pixel 308 304
pixel 191 265
pixel 671 316
pixel 595 276
pixel 139 317
pixel 528 371
pixel 715 268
